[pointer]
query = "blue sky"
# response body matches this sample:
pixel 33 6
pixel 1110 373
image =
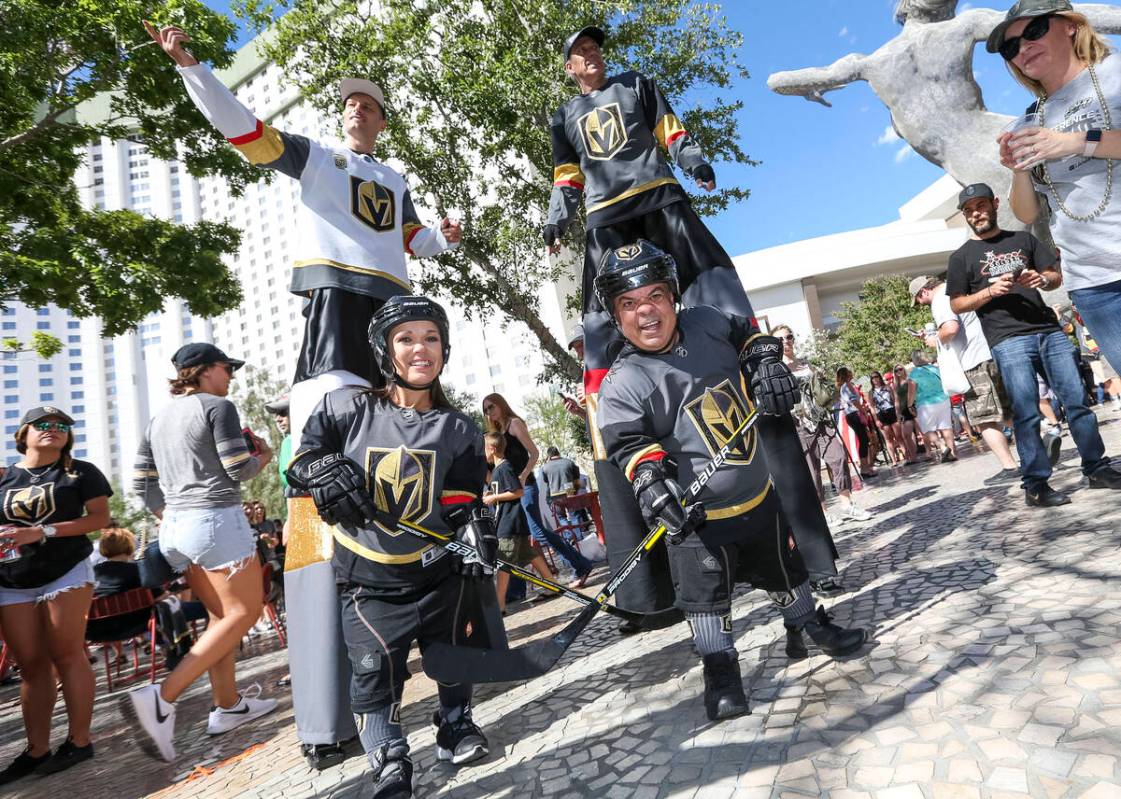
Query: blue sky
pixel 824 170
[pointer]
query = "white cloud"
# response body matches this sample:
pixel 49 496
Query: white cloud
pixel 964 7
pixel 889 136
pixel 903 153
pixel 844 32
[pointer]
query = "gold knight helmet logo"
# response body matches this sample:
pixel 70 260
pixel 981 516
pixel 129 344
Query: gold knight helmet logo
pixel 31 504
pixel 628 252
pixel 401 483
pixel 716 414
pixel 372 203
pixel 603 131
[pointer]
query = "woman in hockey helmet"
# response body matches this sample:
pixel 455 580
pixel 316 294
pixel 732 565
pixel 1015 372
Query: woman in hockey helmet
pixel 409 336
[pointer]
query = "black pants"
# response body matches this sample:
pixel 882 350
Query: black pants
pixel 756 549
pixel 336 336
pixel 856 422
pixel 380 629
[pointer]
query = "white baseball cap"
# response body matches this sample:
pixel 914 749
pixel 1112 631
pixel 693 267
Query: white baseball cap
pixel 349 86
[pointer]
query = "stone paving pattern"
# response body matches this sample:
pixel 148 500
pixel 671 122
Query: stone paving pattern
pixel 993 671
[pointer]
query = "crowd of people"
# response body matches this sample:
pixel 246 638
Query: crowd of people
pixel 706 430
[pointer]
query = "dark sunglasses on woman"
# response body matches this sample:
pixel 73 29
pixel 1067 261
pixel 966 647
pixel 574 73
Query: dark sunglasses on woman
pixel 44 427
pixel 1033 32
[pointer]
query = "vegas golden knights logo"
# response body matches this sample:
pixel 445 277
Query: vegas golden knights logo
pixel 628 252
pixel 31 505
pixel 603 131
pixel 716 414
pixel 373 203
pixel 401 483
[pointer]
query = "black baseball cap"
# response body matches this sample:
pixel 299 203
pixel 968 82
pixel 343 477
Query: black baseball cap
pixel 44 412
pixel 973 191
pixel 1024 8
pixel 200 353
pixel 591 31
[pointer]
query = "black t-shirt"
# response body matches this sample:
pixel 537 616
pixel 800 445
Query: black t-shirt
pixel 979 262
pixel 41 497
pixel 115 577
pixel 518 458
pixel 509 517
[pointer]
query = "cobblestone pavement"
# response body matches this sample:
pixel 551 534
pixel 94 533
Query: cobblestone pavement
pixel 993 670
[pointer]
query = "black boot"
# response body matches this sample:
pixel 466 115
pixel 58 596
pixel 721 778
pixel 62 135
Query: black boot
pixel 795 646
pixel 834 641
pixel 393 776
pixel 724 697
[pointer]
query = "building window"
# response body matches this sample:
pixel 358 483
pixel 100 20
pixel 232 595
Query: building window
pixel 42 325
pixel 11 399
pixel 46 381
pixel 74 339
pixel 11 428
pixel 76 395
pixel 78 409
pixel 73 324
pixel 42 311
pixel 75 353
pixel 11 370
pixel 75 381
pixel 11 414
pixel 75 367
pixel 9 325
pixel 11 384
pixel 81 453
pixel 80 438
pixel 45 367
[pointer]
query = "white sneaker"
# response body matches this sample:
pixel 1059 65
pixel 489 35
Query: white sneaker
pixel 154 717
pixel 248 707
pixel 857 514
pixel 833 521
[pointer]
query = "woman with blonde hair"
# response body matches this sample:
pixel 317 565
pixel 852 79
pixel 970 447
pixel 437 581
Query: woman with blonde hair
pixel 1064 168
pixel 522 454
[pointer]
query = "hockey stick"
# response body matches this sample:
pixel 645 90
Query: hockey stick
pixel 449 664
pixel 456 547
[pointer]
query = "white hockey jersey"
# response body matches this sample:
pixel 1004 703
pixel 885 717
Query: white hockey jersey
pixel 357 218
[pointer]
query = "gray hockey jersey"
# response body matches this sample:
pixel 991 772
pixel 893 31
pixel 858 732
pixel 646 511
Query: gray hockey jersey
pixel 416 463
pixel 684 403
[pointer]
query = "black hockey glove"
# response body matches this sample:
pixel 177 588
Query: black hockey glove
pixel 704 173
pixel 659 499
pixel 474 526
pixel 336 486
pixel 551 234
pixel 772 385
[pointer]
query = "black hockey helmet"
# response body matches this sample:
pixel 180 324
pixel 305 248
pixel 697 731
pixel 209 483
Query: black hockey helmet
pixel 398 310
pixel 633 266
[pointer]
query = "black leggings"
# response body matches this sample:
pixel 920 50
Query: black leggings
pixel 857 425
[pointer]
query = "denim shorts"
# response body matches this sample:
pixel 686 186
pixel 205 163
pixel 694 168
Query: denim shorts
pixel 212 538
pixel 80 575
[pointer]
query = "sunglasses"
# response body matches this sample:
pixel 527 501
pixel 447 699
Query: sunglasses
pixel 1035 30
pixel 44 427
pixel 787 337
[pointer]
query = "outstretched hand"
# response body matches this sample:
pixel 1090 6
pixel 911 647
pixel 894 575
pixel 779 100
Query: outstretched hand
pixel 171 39
pixel 452 231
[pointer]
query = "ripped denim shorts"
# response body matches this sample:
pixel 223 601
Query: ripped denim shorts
pixel 212 538
pixel 80 575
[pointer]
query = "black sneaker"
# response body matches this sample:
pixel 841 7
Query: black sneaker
pixel 1053 441
pixel 1045 497
pixel 22 766
pixel 66 756
pixel 322 756
pixel 724 697
pixel 832 639
pixel 459 741
pixel 629 627
pixel 1106 478
pixel 1003 476
pixel 393 772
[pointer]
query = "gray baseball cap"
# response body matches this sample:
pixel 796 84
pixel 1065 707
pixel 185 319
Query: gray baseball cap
pixel 594 33
pixel 974 190
pixel 1024 8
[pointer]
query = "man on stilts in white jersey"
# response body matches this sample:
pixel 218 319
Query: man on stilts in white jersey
pixel 357 224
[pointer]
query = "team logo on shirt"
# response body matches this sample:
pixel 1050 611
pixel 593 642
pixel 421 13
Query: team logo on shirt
pixel 31 504
pixel 372 203
pixel 716 414
pixel 401 483
pixel 603 131
pixel 995 264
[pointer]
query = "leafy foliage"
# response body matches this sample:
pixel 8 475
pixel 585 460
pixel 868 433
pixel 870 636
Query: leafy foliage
pixel 873 332
pixel 42 344
pixel 551 425
pixel 127 511
pixel 471 88
pixel 251 391
pixel 66 80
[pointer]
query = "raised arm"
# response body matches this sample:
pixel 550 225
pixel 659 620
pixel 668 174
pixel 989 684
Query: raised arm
pixel 261 144
pixel 813 82
pixel 424 242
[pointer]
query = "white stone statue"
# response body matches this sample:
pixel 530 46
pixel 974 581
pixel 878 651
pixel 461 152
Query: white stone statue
pixel 925 78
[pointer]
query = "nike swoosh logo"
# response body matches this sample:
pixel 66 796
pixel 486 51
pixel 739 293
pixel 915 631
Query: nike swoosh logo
pixel 241 712
pixel 160 717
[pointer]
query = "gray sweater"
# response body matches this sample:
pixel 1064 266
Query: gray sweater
pixel 193 455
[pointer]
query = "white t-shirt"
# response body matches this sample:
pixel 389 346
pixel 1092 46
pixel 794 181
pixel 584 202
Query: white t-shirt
pixel 1091 250
pixel 969 345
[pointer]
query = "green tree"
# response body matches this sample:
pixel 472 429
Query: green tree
pixel 467 403
pixel 42 344
pixel 873 332
pixel 471 90
pixel 251 391
pixel 127 511
pixel 551 425
pixel 69 76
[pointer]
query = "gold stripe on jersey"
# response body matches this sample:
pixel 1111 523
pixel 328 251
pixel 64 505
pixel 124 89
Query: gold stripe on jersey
pixel 309 539
pixel 568 175
pixel 668 128
pixel 261 149
pixel 362 270
pixel 631 193
pixel 632 464
pixel 372 554
pixel 737 510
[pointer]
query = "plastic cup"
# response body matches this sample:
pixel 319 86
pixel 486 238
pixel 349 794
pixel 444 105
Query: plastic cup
pixel 1021 124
